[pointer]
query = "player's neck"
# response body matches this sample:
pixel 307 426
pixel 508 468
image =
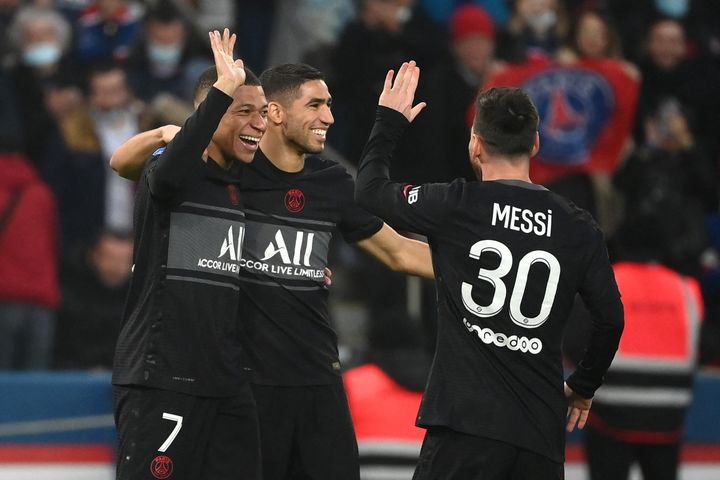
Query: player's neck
pixel 214 152
pixel 505 171
pixel 280 152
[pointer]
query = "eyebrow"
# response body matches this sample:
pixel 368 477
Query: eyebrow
pixel 319 100
pixel 250 105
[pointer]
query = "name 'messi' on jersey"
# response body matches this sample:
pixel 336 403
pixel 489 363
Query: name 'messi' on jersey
pixel 522 220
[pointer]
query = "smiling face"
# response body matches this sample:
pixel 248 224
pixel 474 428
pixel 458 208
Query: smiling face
pixel 243 125
pixel 307 117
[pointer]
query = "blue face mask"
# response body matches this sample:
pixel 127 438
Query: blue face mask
pixel 673 8
pixel 41 54
pixel 165 56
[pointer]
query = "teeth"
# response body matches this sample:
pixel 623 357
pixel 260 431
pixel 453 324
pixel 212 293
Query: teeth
pixel 319 131
pixel 249 138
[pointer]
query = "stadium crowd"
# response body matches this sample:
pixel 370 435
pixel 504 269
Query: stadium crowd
pixel 628 92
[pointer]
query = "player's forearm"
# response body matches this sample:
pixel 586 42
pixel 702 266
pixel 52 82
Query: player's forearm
pixel 608 322
pixel 399 253
pixel 374 190
pixel 184 152
pixel 129 158
pixel 415 259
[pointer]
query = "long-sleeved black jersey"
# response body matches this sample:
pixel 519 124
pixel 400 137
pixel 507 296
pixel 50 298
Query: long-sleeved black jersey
pixel 291 218
pixel 179 329
pixel 509 258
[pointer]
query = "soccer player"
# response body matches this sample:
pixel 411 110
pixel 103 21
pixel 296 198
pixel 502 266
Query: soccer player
pixel 294 202
pixel 510 257
pixel 181 407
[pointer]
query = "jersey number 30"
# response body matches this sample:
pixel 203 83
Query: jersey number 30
pixel 495 278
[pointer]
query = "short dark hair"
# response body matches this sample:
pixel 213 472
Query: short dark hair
pixel 286 79
pixel 209 77
pixel 506 120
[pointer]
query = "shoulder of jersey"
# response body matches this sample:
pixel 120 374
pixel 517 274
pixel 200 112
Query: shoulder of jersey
pixel 577 213
pixel 316 164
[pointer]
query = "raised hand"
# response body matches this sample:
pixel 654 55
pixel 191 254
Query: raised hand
pixel 400 94
pixel 578 409
pixel 231 73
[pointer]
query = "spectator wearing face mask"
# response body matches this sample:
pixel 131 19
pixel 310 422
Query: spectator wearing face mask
pixel 536 28
pixel 90 195
pixel 43 77
pixel 167 59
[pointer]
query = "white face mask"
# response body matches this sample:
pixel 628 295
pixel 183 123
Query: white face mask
pixel 112 118
pixel 167 56
pixel 542 22
pixel 42 54
pixel 403 15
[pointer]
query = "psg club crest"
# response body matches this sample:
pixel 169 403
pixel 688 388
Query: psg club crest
pixel 161 467
pixel 295 200
pixel 574 106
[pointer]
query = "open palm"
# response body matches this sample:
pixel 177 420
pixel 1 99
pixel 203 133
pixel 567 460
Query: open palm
pixel 231 72
pixel 400 94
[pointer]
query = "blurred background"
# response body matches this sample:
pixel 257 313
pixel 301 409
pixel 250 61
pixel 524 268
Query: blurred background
pixel 629 96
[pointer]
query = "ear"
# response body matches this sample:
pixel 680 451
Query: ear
pixel 536 145
pixel 276 113
pixel 475 148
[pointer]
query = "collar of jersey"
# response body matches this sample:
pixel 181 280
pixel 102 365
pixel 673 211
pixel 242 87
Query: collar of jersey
pixel 521 184
pixel 216 172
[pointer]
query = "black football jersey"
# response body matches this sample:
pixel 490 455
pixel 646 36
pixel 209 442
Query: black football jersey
pixel 290 220
pixel 179 329
pixel 509 258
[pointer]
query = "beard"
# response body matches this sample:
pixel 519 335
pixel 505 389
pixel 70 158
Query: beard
pixel 301 142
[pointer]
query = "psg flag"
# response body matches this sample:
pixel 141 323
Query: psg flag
pixel 586 112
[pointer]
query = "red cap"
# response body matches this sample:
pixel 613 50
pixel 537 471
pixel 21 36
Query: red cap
pixel 470 20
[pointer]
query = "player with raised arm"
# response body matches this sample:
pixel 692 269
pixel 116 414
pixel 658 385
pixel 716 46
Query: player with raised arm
pixel 295 202
pixel 509 258
pixel 182 409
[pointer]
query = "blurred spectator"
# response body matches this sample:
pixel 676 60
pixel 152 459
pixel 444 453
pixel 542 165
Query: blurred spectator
pixel 29 292
pixel 90 195
pixel 304 26
pixel 93 297
pixel 44 76
pixel 638 413
pixel 167 60
pixel 667 71
pixel 436 148
pixel 670 164
pixel 537 28
pixel 107 29
pixel 385 34
pixel 592 35
pixel 207 15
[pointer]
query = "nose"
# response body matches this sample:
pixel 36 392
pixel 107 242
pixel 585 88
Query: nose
pixel 258 122
pixel 326 115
